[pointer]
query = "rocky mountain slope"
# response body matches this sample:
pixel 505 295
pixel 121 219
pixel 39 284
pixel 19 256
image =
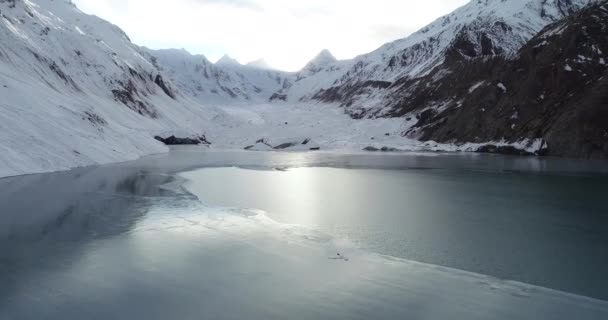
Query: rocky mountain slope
pixel 554 89
pixel 498 83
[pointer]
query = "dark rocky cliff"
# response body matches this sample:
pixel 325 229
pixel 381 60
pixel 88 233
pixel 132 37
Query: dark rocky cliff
pixel 556 89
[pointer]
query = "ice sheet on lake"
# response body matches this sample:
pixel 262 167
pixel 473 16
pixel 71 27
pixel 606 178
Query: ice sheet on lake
pixel 399 288
pixel 179 259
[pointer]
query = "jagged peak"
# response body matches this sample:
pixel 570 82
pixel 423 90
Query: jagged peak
pixel 322 59
pixel 226 60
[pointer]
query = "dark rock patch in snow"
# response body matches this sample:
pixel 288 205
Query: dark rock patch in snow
pixel 278 97
pixel 305 144
pixel 128 96
pixel 161 83
pixel 285 145
pixel 175 141
pixel 94 119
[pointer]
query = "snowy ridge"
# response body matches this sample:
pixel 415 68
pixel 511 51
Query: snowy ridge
pixel 225 82
pixel 319 73
pixel 481 27
pixel 227 61
pixel 318 63
pixel 505 25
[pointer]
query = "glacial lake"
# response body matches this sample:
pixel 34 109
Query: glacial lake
pixel 203 234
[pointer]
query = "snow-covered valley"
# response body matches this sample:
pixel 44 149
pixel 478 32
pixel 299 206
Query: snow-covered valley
pixel 323 127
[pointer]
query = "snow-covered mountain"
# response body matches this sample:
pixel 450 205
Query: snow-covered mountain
pixel 318 74
pixel 479 28
pixel 75 91
pixel 319 63
pixel 225 82
pixel 553 90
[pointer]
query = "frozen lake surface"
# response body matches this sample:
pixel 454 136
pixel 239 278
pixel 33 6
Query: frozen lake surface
pixel 183 236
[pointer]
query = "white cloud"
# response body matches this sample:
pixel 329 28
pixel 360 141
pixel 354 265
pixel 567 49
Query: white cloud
pixel 286 33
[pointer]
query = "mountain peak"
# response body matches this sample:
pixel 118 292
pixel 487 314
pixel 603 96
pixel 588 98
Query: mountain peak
pixel 323 58
pixel 226 60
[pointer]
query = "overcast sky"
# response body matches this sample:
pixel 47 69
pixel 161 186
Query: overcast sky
pixel 286 33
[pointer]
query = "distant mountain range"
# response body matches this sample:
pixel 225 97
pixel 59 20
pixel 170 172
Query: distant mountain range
pixel 224 82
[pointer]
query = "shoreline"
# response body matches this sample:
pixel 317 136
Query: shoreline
pixel 598 166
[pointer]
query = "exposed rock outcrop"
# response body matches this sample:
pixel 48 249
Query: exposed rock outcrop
pixel 294 144
pixel 175 141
